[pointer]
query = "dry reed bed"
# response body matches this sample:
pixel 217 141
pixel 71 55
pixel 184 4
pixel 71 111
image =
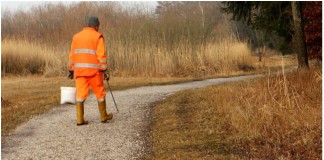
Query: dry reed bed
pixel 275 117
pixel 20 57
pixel 182 60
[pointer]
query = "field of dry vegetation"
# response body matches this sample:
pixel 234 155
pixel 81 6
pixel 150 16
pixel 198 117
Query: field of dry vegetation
pixel 270 118
pixel 20 57
pixel 140 41
pixel 35 47
pixel 275 117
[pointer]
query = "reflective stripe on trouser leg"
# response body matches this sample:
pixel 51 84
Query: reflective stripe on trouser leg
pixel 82 87
pixel 97 86
pixel 80 100
pixel 101 99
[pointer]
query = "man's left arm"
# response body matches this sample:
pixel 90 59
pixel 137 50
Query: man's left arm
pixel 102 54
pixel 102 57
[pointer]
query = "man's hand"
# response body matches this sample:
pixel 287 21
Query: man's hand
pixel 71 73
pixel 106 75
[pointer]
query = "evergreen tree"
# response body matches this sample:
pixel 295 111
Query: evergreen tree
pixel 271 17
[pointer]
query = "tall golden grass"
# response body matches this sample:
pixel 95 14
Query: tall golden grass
pixel 22 57
pixel 279 117
pixel 274 117
pixel 182 60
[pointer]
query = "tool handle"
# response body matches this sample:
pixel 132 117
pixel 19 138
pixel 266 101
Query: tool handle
pixel 112 96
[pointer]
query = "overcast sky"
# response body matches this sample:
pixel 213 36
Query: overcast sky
pixel 25 5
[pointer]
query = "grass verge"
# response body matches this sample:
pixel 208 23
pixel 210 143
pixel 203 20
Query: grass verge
pixel 275 117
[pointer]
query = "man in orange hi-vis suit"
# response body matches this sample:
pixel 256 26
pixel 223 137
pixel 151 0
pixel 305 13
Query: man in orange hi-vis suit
pixel 88 64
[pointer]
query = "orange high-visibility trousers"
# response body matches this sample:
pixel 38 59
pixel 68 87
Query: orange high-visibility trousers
pixel 83 86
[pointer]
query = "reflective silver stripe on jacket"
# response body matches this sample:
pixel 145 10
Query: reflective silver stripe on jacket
pixel 89 51
pixel 101 99
pixel 86 65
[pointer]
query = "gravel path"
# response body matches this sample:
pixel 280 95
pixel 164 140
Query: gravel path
pixel 55 135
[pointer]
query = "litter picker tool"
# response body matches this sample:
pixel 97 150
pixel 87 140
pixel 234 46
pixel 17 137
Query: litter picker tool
pixel 112 96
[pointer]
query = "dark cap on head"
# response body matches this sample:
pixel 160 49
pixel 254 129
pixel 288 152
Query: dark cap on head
pixel 93 22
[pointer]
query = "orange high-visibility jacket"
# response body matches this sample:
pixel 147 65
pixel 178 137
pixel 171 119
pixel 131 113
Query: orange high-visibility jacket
pixel 88 54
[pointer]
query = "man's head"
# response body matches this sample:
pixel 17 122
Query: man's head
pixel 93 22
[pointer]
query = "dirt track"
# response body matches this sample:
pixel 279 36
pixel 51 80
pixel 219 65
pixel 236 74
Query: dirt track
pixel 55 135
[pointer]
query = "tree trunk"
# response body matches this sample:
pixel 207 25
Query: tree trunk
pixel 299 35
